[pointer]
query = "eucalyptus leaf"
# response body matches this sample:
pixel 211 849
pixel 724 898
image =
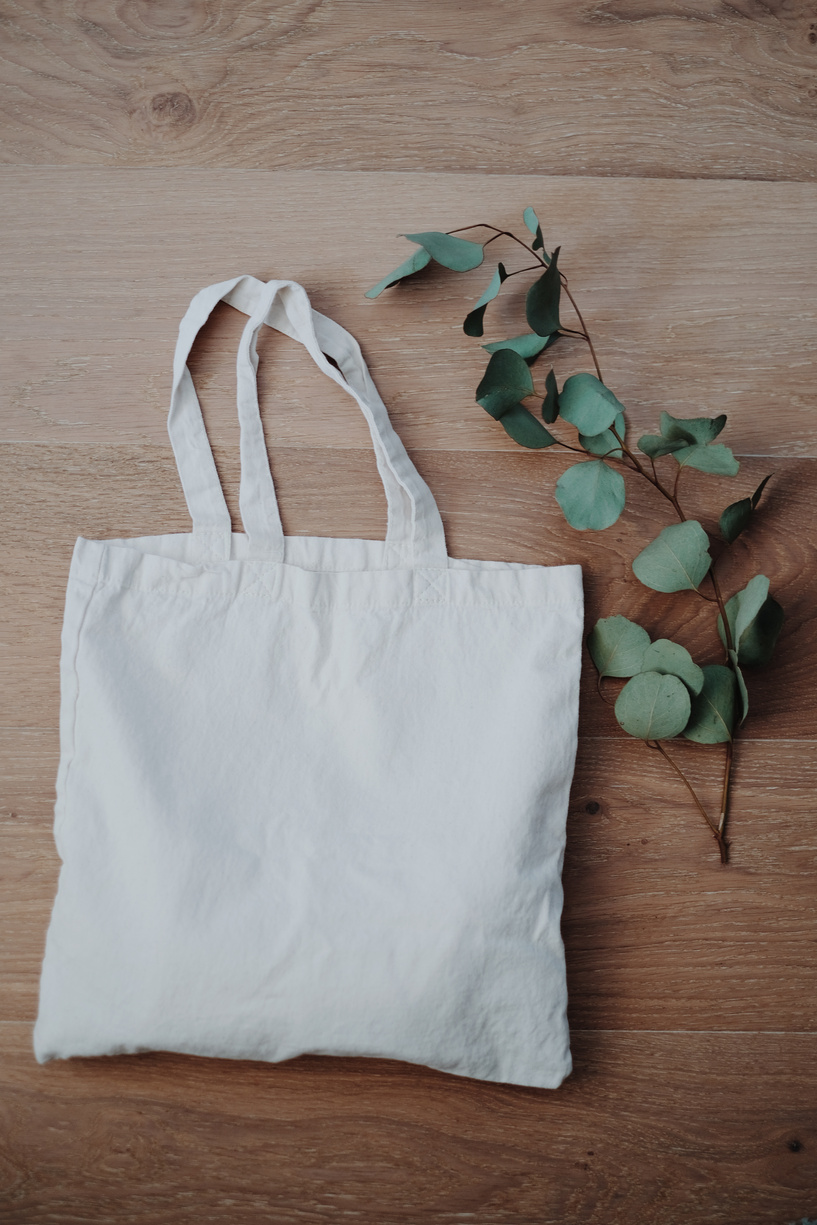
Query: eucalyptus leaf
pixel 617 646
pixel 528 345
pixel 542 299
pixel 692 429
pixel 532 222
pixel 736 518
pixel 550 404
pixel 586 403
pixel 655 446
pixel 674 660
pixel 606 443
pixel 716 459
pixel 458 254
pixel 744 692
pixel 473 320
pixel 653 706
pixel 758 640
pixel 506 381
pixel 712 720
pixel 591 495
pixel 525 429
pixel 676 560
pixel 414 263
pixel 743 611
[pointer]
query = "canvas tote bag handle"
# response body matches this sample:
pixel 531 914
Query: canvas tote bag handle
pixel 415 535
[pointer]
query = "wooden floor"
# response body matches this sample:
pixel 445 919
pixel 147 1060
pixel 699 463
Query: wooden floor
pixel 152 148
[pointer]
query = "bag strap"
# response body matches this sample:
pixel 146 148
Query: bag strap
pixel 414 536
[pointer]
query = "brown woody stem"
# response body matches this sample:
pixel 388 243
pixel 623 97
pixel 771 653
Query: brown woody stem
pixel 716 831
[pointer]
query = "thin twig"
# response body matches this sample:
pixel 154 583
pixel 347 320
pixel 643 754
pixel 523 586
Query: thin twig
pixel 717 834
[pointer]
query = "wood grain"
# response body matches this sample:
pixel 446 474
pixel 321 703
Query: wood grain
pixel 495 506
pixel 696 1129
pixel 700 297
pixel 658 935
pixel 612 87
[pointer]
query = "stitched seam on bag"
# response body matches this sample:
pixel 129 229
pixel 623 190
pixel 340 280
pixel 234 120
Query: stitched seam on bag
pixel 93 585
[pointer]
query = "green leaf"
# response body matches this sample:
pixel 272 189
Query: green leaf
pixel 692 429
pixel 586 403
pixel 473 320
pixel 458 254
pixel 506 381
pixel 756 496
pixel 676 560
pixel 755 619
pixel 714 709
pixel 744 692
pixel 525 429
pixel 416 261
pixel 617 646
pixel 528 345
pixel 757 643
pixel 717 459
pixel 542 299
pixel 532 222
pixel 674 660
pixel 591 495
pixel 550 404
pixel 655 446
pixel 652 706
pixel 735 519
pixel 605 443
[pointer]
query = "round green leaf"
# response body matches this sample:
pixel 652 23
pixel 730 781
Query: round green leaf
pixel 542 299
pixel 525 429
pixel 692 429
pixel 672 659
pixel 506 381
pixel 414 263
pixel 591 495
pixel 714 709
pixel 716 459
pixel 605 443
pixel 617 646
pixel 652 706
pixel 458 254
pixel 676 560
pixel 586 403
pixel 528 345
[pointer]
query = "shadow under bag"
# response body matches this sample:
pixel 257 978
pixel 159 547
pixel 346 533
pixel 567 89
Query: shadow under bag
pixel 312 792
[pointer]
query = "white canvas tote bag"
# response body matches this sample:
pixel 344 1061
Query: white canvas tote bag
pixel 312 792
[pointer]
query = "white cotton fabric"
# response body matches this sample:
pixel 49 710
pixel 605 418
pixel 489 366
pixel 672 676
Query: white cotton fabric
pixel 312 792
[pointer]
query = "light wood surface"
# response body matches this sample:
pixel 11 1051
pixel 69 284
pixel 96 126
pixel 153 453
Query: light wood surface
pixel 152 148
pixel 674 88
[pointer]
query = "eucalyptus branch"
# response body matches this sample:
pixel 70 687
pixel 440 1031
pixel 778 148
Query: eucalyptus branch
pixel 666 694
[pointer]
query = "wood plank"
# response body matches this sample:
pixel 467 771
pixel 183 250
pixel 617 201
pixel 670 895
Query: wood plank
pixel 699 296
pixel 658 935
pixel 697 1129
pixel 494 506
pixel 644 88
